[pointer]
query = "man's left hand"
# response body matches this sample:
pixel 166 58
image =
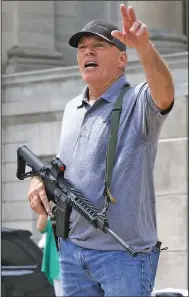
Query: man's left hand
pixel 135 33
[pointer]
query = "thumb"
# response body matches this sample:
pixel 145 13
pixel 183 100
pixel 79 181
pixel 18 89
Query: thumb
pixel 117 34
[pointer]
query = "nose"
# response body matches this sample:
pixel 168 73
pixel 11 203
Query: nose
pixel 89 51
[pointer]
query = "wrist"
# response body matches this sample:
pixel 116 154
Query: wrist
pixel 146 49
pixel 35 178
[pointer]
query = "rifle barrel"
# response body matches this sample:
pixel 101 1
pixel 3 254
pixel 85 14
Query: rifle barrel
pixel 123 243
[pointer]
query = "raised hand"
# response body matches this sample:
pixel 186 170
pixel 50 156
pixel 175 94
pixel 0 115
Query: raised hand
pixel 135 33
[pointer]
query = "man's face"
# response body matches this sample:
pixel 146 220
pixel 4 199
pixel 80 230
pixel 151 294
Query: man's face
pixel 99 61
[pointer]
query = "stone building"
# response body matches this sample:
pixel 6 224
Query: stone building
pixel 40 76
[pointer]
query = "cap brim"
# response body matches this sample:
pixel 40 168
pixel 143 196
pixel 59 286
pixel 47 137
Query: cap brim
pixel 74 40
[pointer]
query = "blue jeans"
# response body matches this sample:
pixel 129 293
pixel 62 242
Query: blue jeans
pixel 88 272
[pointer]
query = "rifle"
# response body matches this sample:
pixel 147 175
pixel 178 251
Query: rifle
pixel 63 193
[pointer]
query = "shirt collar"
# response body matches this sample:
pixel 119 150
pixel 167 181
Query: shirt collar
pixel 109 95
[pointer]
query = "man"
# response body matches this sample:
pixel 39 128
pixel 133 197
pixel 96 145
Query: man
pixel 92 263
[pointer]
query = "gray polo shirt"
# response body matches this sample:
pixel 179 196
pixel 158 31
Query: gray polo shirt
pixel 82 148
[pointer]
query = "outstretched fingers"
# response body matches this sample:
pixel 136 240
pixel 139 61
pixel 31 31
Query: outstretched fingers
pixel 130 25
pixel 125 18
pixel 131 14
pixel 128 17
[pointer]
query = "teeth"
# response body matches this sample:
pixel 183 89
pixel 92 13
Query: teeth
pixel 90 64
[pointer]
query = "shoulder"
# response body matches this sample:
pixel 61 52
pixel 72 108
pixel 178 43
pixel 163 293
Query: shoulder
pixel 137 89
pixel 73 103
pixel 135 92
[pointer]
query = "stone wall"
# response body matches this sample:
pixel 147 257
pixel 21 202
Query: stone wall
pixel 35 34
pixel 32 109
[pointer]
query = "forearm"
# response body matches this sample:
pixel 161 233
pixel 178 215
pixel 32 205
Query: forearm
pixel 42 222
pixel 158 76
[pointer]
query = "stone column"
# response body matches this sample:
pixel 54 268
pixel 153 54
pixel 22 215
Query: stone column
pixel 165 22
pixel 28 36
pixel 113 12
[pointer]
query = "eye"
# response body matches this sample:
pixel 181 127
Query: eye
pixel 99 44
pixel 80 47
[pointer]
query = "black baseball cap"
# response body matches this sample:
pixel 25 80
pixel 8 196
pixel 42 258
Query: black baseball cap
pixel 99 28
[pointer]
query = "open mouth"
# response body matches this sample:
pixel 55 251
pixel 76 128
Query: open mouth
pixel 90 65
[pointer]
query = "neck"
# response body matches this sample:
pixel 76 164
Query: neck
pixel 96 91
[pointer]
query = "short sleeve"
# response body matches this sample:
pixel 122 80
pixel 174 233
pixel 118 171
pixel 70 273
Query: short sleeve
pixel 148 118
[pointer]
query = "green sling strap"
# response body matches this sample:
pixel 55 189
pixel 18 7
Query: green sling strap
pixel 112 140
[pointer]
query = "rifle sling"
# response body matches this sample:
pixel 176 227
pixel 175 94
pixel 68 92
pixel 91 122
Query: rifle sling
pixel 112 140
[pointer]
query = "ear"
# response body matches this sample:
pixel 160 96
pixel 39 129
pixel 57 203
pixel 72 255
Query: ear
pixel 123 58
